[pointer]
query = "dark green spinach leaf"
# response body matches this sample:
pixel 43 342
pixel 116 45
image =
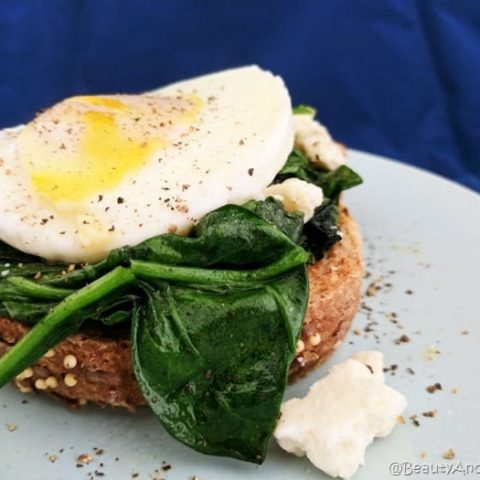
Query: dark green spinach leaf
pixel 322 231
pixel 12 255
pixel 271 210
pixel 331 182
pixel 213 366
pixel 335 182
pixel 299 166
pixel 25 311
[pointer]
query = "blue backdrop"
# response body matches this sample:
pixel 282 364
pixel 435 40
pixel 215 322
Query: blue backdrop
pixel 396 77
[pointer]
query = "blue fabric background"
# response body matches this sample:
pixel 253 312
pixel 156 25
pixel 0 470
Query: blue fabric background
pixel 396 77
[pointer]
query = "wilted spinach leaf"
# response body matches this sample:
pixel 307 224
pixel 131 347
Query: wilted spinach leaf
pixel 271 210
pixel 322 231
pixel 299 166
pixel 25 312
pixel 331 182
pixel 12 255
pixel 213 366
pixel 16 263
pixel 335 182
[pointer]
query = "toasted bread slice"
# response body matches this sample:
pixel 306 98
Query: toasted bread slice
pixel 94 366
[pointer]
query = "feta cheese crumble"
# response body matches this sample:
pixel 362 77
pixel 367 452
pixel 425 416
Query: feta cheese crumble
pixel 296 196
pixel 341 415
pixel 314 140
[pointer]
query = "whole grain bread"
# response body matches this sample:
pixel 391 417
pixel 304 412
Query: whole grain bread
pixel 93 367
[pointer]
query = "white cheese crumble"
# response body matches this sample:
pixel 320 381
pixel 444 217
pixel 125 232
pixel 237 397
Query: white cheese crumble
pixel 296 196
pixel 341 415
pixel 314 140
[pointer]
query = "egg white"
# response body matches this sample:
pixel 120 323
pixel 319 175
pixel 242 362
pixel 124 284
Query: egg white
pixel 228 152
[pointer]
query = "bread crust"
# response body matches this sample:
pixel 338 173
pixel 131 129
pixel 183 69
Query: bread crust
pixel 334 297
pixel 103 372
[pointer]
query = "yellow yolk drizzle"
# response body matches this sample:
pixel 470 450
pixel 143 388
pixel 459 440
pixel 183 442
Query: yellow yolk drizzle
pixel 103 154
pixel 104 157
pixel 106 102
pixel 190 115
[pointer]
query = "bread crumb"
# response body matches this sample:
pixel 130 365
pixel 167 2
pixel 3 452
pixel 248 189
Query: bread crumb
pixel 433 388
pixel 455 390
pixel 11 427
pixel 449 454
pixel 423 454
pixel 373 288
pixel 402 339
pixel 84 459
pixel 431 353
pixel 414 419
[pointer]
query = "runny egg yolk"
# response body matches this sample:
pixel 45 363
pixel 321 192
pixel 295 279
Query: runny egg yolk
pixel 87 145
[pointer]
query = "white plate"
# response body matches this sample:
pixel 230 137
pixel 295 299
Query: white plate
pixel 422 234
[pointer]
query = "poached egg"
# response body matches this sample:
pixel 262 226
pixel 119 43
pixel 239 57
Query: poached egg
pixel 94 173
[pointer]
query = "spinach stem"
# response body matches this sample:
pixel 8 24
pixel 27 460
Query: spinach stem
pixel 234 278
pixel 62 321
pixel 35 290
